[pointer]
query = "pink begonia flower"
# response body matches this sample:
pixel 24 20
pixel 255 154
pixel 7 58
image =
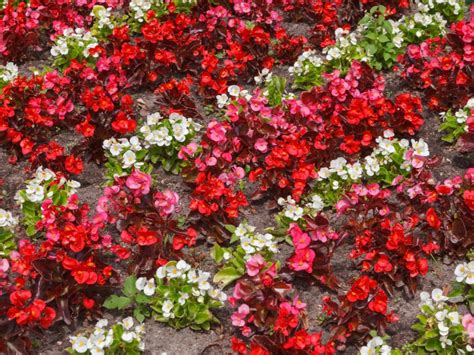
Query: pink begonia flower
pixel 139 183
pixel 230 178
pixel 166 202
pixel 261 145
pixel 300 239
pixel 254 265
pixel 302 260
pixel 469 175
pixel 342 206
pixel 102 204
pixel 107 240
pixel 414 51
pixel 373 189
pixel 187 151
pixel 238 317
pixel 216 132
pixel 468 324
pixel 298 304
pixel 4 265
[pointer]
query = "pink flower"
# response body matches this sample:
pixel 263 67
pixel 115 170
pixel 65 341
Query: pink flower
pixel 261 145
pixel 4 265
pixel 373 189
pixel 342 206
pixel 238 317
pixel 414 51
pixel 216 132
pixel 187 151
pixel 139 183
pixel 302 260
pixel 468 324
pixel 254 265
pixel 166 202
pixel 301 240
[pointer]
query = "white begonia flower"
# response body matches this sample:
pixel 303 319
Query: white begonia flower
pixel 173 272
pixel 324 173
pixel 437 295
pixel 183 296
pixel 183 266
pixel 443 329
pixel 79 344
pixel 227 255
pixel 128 336
pixel 355 171
pixel 150 287
pixel 115 149
pixel 333 53
pixel 294 212
pixel 180 130
pixel 129 158
pixel 385 350
pixel 161 272
pixel 453 317
pixel 35 192
pixel 161 137
pixel 140 283
pixel 128 323
pixel 102 323
pixel 192 276
pixel 460 272
pixel 166 308
pixel 420 147
pixel 233 90
pixel 470 273
pixel 135 144
pixel 96 351
pixel 222 100
pixel 153 118
pixel 316 203
pixel 441 315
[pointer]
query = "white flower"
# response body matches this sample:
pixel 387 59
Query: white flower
pixel 129 158
pixel 173 272
pixel 233 90
pixel 149 288
pixel 324 173
pixel 153 119
pixel 222 100
pixel 453 317
pixel 183 296
pixel 437 295
pixel 79 344
pixel 460 272
pixel 420 147
pixel 355 171
pixel 96 351
pixel 183 266
pixel 192 276
pixel 166 308
pixel 115 149
pixel 127 323
pixel 180 130
pixel 161 272
pixel 443 329
pixel 128 336
pixel 441 315
pixel 333 53
pixel 102 323
pixel 294 212
pixel 140 283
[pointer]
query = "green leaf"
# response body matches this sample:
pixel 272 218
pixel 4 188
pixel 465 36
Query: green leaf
pixel 117 302
pixel 217 253
pixel 129 288
pixel 433 344
pixel 226 276
pixel 230 227
pixel 202 317
pixel 138 315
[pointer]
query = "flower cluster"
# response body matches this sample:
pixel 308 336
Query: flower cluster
pixel 376 345
pixel 8 73
pixel 44 186
pixel 439 326
pixel 73 44
pixel 177 294
pixel 254 250
pixel 458 124
pixel 377 40
pixel 441 66
pixel 390 159
pixel 7 235
pixel 143 240
pixel 123 337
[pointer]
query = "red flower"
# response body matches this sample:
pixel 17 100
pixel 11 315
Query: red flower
pixel 379 303
pixel 432 218
pixel 74 165
pixel 383 264
pixel 468 197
